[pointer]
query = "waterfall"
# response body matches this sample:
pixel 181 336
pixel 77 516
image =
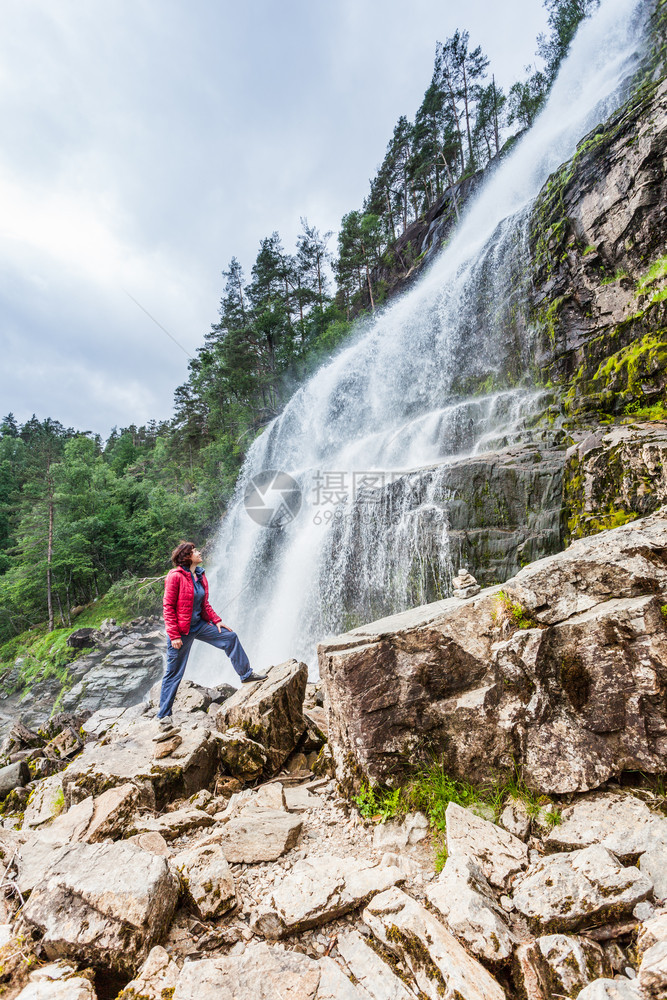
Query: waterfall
pixel 413 390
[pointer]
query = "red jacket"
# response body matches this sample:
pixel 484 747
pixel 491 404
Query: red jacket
pixel 179 596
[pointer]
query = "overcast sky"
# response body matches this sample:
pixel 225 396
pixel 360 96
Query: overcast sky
pixel 146 142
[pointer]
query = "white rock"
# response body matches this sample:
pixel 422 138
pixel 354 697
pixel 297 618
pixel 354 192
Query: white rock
pixel 46 801
pixel 653 864
pixel 299 799
pixel 653 970
pixel 128 756
pixel 208 881
pixel 397 836
pixel 622 823
pixel 62 989
pixel 573 962
pixel 464 898
pixel 609 989
pixel 260 973
pixel 441 967
pixel 319 890
pixel 173 824
pixel 370 972
pixel 258 835
pixel 159 972
pixel 515 819
pixel 102 904
pixel 579 889
pixel 498 853
pixel 652 947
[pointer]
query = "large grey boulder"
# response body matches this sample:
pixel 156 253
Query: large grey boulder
pixel 207 879
pixel 582 889
pixel 317 891
pixel 258 835
pixel 264 972
pixel 466 902
pixel 74 988
pixel 129 756
pixel 498 853
pixel 620 822
pixel 571 963
pixel 13 776
pixel 610 989
pixel 156 977
pixel 573 701
pixel 102 904
pixel 46 801
pixel 652 950
pixel 270 711
pixel 442 969
pixel 370 972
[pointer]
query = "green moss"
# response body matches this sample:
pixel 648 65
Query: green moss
pixel 656 272
pixel 505 610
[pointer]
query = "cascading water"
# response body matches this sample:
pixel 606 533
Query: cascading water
pixel 371 536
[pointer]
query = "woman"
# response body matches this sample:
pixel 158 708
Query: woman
pixel 189 616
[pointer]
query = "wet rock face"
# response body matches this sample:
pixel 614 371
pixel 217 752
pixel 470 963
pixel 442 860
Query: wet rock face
pixel 563 672
pixel 597 228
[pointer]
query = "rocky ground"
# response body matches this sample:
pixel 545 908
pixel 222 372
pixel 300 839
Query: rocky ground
pixel 224 863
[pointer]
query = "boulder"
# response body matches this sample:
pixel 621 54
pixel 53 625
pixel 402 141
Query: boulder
pixel 242 757
pixel 497 852
pixel 515 818
pixel 571 963
pixel 270 712
pixel 190 697
pixel 315 892
pixel 129 757
pixel 13 776
pixel 653 864
pixel 263 972
pixel 46 801
pixel 102 904
pixel 652 949
pixel 610 989
pixel 83 638
pixel 620 822
pixel 573 701
pixel 208 882
pixel 173 824
pixel 585 888
pixel 397 836
pixel 373 975
pixel 74 988
pixel 466 902
pixel 258 835
pixel 299 799
pixel 156 977
pixel 441 967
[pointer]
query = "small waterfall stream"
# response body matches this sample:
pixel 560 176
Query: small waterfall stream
pixel 414 390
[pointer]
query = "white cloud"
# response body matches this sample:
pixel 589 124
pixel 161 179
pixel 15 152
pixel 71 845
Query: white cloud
pixel 146 142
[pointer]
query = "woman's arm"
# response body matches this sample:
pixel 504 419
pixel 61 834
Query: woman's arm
pixel 171 589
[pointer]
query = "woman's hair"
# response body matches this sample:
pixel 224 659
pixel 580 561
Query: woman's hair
pixel 182 553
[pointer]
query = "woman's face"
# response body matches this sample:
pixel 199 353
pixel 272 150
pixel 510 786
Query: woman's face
pixel 195 558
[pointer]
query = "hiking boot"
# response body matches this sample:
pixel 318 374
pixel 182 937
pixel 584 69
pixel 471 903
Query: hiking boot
pixel 253 677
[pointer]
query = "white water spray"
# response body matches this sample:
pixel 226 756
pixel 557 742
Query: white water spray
pixel 391 402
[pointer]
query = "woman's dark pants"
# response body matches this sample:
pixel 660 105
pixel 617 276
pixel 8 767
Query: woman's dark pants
pixel 177 659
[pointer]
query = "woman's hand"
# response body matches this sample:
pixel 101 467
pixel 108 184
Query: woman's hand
pixel 218 625
pixel 177 643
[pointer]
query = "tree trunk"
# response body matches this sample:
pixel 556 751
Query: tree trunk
pixel 495 115
pixel 391 215
pixel 370 287
pixel 453 187
pixel 467 111
pixel 49 556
